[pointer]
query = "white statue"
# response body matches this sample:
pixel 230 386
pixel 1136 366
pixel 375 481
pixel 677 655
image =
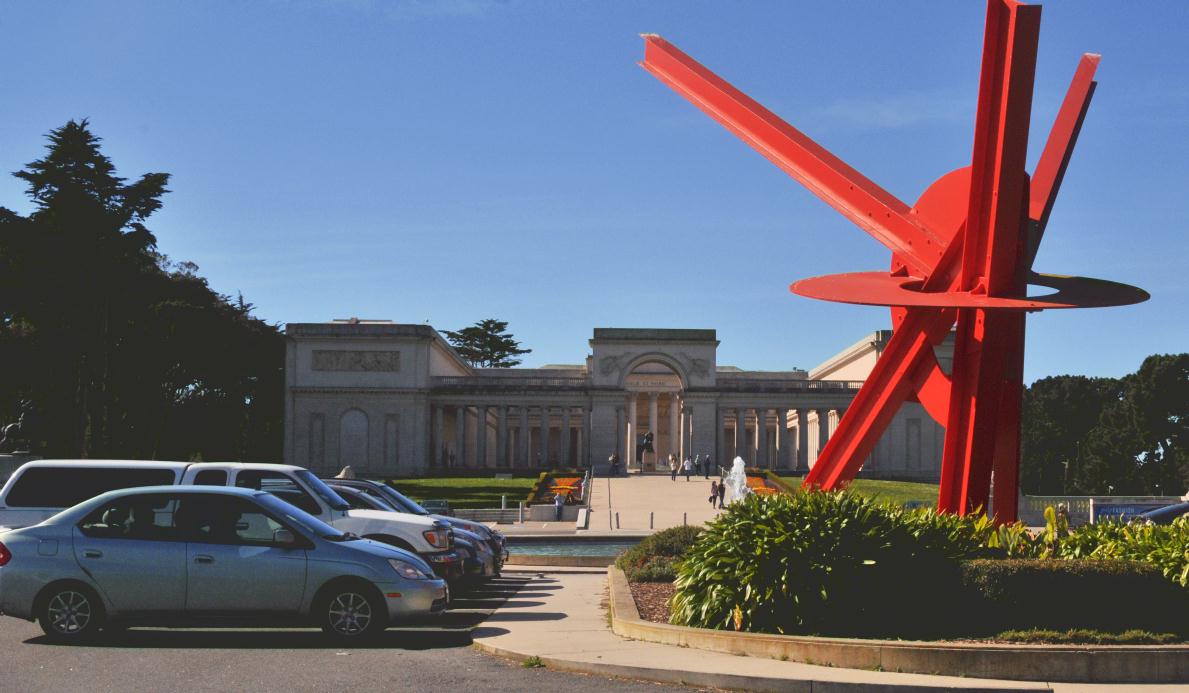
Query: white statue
pixel 737 480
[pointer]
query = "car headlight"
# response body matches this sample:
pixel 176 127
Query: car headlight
pixel 437 538
pixel 407 570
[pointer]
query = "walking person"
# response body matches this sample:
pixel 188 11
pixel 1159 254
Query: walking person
pixel 713 492
pixel 722 491
pixel 672 468
pixel 697 464
pixel 687 467
pixel 706 466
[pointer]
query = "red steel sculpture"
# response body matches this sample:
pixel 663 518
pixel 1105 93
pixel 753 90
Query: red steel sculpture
pixel 963 254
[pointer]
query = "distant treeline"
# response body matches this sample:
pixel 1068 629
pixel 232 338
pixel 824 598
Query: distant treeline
pixel 1099 435
pixel 114 350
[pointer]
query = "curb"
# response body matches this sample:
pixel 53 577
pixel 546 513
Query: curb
pixel 759 684
pixel 1068 663
pixel 561 561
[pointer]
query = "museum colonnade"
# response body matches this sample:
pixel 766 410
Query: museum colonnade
pixel 510 435
pixel 535 435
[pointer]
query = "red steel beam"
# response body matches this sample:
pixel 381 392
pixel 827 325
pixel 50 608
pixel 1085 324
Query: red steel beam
pixel 857 198
pixel 1050 170
pixel 993 242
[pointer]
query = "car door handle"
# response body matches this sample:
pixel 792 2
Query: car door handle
pixel 204 559
pixel 92 553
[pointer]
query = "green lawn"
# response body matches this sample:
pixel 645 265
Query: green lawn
pixel 894 491
pixel 469 492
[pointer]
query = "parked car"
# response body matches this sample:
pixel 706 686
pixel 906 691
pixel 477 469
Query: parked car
pixel 438 506
pixel 193 555
pixel 40 489
pixel 1165 515
pixel 479 560
pixel 494 537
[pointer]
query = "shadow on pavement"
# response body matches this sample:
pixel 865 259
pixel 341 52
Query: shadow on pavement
pixel 453 628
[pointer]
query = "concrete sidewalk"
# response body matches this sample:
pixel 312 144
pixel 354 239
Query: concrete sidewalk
pixel 561 618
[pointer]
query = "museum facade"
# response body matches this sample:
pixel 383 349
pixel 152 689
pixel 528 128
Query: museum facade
pixel 396 400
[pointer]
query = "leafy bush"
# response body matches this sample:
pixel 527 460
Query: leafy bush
pixel 1108 595
pixel 1163 546
pixel 842 564
pixel 830 563
pixel 653 559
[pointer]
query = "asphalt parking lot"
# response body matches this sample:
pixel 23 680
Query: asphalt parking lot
pixel 426 657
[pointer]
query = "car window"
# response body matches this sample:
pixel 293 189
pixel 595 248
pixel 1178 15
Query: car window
pixel 280 485
pixel 211 477
pixel 402 501
pixel 150 517
pixel 229 520
pixel 69 485
pixel 380 501
pixel 353 498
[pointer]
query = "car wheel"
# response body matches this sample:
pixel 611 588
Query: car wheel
pixel 353 613
pixel 70 613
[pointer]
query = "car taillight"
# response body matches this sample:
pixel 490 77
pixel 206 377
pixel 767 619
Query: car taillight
pixel 5 555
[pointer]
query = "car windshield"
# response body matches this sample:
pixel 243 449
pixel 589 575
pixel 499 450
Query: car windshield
pixel 402 501
pixel 324 492
pixel 301 518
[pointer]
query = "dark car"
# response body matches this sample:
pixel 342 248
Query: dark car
pixel 480 561
pixel 494 538
pixel 1165 515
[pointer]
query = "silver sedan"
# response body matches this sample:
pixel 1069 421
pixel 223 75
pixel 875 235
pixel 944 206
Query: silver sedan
pixel 176 556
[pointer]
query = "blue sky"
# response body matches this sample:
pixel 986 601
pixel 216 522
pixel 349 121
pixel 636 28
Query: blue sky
pixel 445 162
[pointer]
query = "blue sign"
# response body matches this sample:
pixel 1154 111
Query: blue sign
pixel 1124 511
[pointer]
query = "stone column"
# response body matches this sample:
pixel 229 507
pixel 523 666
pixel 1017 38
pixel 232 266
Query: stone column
pixel 762 438
pixel 565 436
pixel 584 451
pixel 674 423
pixel 632 434
pixel 522 435
pixel 439 442
pixel 481 436
pixel 652 417
pixel 620 435
pixel 543 445
pixel 823 430
pixel 721 436
pixel 802 439
pixel 460 435
pixel 501 437
pixel 740 435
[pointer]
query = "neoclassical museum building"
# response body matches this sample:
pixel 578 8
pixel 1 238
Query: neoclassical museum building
pixel 396 400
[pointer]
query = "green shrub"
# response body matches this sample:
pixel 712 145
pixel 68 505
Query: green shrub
pixel 653 559
pixel 829 563
pixel 1163 546
pixel 655 569
pixel 1108 595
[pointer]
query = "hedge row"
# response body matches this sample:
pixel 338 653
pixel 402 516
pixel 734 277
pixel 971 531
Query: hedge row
pixel 842 564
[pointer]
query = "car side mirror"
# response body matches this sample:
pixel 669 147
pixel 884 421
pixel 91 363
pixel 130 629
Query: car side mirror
pixel 283 537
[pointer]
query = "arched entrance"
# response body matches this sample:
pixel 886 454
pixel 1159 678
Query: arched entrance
pixel 654 387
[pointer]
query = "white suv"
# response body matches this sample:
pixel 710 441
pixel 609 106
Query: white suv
pixel 41 489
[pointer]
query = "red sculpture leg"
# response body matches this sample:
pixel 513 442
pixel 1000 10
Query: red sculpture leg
pixel 993 243
pixel 1006 480
pixel 904 365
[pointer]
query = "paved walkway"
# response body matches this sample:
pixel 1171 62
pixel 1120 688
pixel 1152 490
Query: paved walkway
pixel 635 498
pixel 561 618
